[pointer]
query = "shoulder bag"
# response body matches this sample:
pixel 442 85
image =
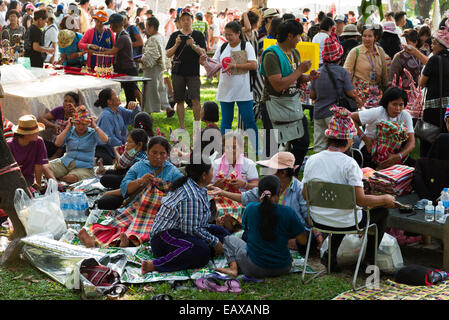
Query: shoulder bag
pixel 425 130
pixel 342 99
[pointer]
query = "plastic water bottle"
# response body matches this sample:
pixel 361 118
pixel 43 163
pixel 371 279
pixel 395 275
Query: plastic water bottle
pixel 439 211
pixel 63 202
pixel 429 211
pixel 445 200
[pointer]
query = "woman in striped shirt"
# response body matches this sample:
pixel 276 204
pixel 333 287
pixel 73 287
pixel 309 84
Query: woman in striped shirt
pixel 181 236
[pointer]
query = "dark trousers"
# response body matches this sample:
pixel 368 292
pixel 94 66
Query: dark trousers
pixel 103 153
pixel 440 148
pixel 110 202
pixel 297 147
pixel 431 115
pixel 175 250
pixel 113 178
pixel 130 87
pixel 378 216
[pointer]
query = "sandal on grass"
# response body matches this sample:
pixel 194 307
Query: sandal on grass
pixel 211 285
pixel 233 286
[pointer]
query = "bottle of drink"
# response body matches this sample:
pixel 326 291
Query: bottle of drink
pixel 437 276
pixel 445 200
pixel 439 211
pixel 429 211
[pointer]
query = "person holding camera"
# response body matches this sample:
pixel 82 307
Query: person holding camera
pixel 186 46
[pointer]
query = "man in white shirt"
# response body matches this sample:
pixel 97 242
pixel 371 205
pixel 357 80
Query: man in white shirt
pixel 326 28
pixel 51 38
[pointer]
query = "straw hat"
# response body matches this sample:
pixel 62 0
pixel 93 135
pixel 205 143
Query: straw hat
pixel 28 125
pixel 270 13
pixel 65 38
pixel 350 30
pixel 281 160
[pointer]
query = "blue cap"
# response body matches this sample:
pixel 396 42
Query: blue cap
pixel 60 7
pixel 115 18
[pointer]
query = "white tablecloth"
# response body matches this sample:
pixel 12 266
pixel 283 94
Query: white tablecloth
pixel 36 92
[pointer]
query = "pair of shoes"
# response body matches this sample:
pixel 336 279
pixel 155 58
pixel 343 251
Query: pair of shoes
pixel 334 267
pixel 213 285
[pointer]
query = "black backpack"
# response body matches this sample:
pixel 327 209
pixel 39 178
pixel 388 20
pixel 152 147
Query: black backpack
pixel 27 44
pixel 252 73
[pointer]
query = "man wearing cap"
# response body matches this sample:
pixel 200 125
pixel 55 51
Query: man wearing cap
pixel 282 165
pixel 29 150
pixel 34 40
pixel 350 38
pixel 200 25
pixel 340 20
pixel 97 37
pixel 334 166
pixel 124 61
pixel 186 46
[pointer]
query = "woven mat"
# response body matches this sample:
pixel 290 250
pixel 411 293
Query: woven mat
pixel 390 290
pixel 133 273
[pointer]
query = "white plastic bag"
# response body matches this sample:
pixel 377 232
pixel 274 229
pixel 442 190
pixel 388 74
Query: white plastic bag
pixel 42 214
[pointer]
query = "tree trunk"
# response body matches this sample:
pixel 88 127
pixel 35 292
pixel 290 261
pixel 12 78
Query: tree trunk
pixel 424 7
pixel 9 182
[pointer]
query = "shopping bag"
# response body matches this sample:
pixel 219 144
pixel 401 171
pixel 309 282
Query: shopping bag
pixel 42 214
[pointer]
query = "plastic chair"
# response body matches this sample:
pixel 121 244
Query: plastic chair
pixel 336 196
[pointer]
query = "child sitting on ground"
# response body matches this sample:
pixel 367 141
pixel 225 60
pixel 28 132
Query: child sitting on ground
pixel 270 226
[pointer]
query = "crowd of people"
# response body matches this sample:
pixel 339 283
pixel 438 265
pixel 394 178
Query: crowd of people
pixel 370 76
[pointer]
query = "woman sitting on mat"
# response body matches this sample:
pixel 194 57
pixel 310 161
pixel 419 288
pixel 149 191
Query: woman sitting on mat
pixel 80 141
pixel 134 151
pixel 270 226
pixel 282 165
pixel 181 237
pixel 141 173
pixel 334 166
pixel 56 120
pixel 114 121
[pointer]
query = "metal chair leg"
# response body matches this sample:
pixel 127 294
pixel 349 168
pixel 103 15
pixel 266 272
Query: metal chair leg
pixel 359 259
pixel 307 256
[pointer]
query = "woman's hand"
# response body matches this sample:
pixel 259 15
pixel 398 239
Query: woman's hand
pixel 392 159
pixel 236 183
pixel 305 66
pixel 228 68
pixel 93 122
pixel 69 124
pixel 314 74
pixel 132 105
pixel 93 47
pixel 214 191
pixel 369 143
pixel 219 183
pixel 146 179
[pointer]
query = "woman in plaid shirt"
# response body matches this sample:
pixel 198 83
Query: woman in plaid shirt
pixel 181 237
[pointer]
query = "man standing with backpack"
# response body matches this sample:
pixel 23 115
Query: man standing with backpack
pixel 34 40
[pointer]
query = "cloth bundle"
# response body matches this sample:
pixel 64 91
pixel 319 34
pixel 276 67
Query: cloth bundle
pixel 389 137
pixel 396 180
pixel 368 93
pixel 415 98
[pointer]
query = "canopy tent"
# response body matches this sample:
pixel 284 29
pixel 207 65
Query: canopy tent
pixel 342 6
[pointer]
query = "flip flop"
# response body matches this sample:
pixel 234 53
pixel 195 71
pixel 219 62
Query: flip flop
pixel 233 286
pixel 210 285
pixel 245 278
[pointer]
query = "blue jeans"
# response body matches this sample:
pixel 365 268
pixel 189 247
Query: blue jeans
pixel 175 250
pixel 247 113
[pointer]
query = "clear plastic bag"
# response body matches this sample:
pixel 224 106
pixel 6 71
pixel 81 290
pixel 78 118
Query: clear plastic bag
pixel 41 214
